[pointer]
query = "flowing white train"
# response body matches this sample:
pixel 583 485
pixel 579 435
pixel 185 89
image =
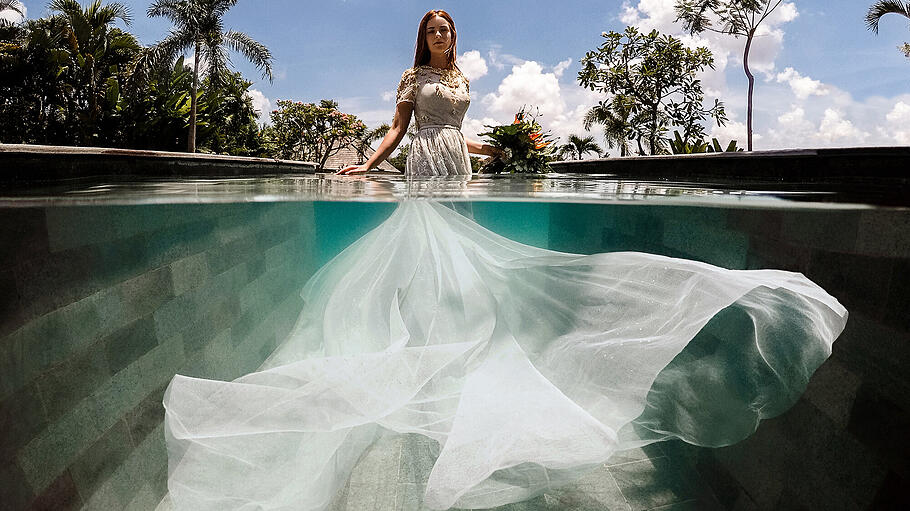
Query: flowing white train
pixel 528 367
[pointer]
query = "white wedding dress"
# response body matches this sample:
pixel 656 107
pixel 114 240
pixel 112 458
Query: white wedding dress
pixel 529 367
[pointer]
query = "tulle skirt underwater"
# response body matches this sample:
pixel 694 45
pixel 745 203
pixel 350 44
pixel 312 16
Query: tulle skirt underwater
pixel 528 367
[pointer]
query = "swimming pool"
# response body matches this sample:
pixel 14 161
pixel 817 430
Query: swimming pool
pixel 111 288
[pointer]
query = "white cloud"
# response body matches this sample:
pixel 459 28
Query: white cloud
pixel 898 123
pixel 13 16
pixel 802 86
pixel 560 68
pixel 389 95
pixel 261 103
pixel 561 108
pixel 501 60
pixel 835 129
pixel 527 84
pixel 472 64
pixel 473 127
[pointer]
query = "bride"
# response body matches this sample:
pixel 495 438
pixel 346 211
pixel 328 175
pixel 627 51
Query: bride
pixel 526 367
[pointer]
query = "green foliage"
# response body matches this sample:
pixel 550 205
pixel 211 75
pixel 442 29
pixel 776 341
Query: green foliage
pixel 310 132
pixel 198 27
pixel 679 146
pixel 525 148
pixel 62 76
pixel 655 74
pixel 883 7
pixel 739 18
pixel 614 116
pixel 577 147
pixel 400 160
pixel 73 78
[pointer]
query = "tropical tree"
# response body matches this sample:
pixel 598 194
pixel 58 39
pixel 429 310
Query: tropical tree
pixel 883 7
pixel 370 136
pixel 95 59
pixel 9 5
pixel 310 132
pixel 614 116
pixel 656 73
pixel 739 18
pixel 199 27
pixel 577 147
pixel 61 76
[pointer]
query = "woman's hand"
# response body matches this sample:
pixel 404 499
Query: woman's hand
pixel 350 170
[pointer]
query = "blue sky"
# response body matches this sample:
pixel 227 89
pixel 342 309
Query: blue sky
pixel 823 79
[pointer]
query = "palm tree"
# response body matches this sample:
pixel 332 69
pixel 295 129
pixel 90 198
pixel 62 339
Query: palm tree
pixel 198 26
pixel 94 56
pixel 9 5
pixel 368 137
pixel 882 7
pixel 577 146
pixel 614 117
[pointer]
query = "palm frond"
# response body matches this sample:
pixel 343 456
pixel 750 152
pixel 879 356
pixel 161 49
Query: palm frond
pixel 883 7
pixel 254 51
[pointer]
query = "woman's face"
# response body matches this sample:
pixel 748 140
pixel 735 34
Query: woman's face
pixel 439 35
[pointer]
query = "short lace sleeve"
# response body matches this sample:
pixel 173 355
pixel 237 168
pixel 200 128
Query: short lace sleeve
pixel 407 87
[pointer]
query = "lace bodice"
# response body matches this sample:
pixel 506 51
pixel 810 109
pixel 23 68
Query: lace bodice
pixel 440 96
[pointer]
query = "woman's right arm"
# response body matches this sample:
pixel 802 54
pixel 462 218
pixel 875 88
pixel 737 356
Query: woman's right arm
pixel 391 140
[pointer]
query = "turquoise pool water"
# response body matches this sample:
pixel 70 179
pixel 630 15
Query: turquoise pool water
pixel 106 299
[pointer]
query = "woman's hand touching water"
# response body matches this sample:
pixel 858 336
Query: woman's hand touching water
pixel 351 170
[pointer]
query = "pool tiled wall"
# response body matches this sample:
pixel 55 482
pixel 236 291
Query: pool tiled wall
pixel 843 445
pixel 100 307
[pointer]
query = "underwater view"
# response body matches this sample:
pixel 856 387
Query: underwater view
pixel 112 301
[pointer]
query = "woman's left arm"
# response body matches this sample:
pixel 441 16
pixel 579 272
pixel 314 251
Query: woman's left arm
pixel 475 147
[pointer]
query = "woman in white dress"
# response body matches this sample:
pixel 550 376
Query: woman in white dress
pixel 526 367
pixel 437 94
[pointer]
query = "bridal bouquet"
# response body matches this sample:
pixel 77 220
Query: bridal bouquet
pixel 524 148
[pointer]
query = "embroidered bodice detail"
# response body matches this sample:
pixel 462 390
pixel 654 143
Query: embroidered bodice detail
pixel 440 96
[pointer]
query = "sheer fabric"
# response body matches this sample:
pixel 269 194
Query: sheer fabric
pixel 527 366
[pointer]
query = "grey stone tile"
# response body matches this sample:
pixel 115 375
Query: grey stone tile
pixel 61 495
pixel 832 389
pixel 830 230
pixel 880 425
pixel 652 483
pixel 418 455
pixel 76 226
pixel 636 454
pixel 22 417
pixel 54 280
pixel 128 344
pixel 896 312
pixel 721 247
pixel 146 416
pixel 101 459
pixel 24 235
pixel 859 282
pixel 12 309
pixel 15 492
pixel 884 233
pixel 52 451
pixel 63 387
pixel 189 273
pixel 145 500
pixel 177 242
pixel 144 294
pixel 767 253
pixel 689 505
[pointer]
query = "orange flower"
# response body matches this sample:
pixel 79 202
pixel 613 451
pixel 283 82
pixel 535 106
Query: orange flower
pixel 541 145
pixel 516 119
pixel 535 135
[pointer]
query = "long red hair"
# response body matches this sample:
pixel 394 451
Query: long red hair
pixel 422 52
